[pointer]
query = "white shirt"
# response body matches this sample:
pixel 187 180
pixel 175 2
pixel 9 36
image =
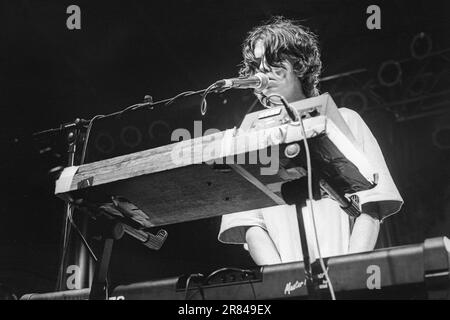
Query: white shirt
pixel 332 223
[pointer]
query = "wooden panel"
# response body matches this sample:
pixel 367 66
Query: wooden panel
pixel 183 194
pixel 194 151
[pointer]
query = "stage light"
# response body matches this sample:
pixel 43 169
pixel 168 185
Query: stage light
pixel 104 143
pixel 441 137
pixel 389 73
pixel 421 84
pixel 420 46
pixel 130 136
pixel 158 130
pixel 355 100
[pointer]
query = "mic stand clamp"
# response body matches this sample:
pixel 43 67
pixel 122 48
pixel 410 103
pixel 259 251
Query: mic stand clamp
pixel 71 127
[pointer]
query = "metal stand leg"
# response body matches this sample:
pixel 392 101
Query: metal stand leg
pixel 99 287
pixel 80 258
pixel 72 137
pixel 73 255
pixel 305 251
pixel 292 194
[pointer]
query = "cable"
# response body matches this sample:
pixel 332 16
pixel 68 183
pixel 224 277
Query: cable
pixel 86 139
pixel 83 239
pixel 310 196
pixel 310 193
pixel 244 271
pixel 165 102
pixel 265 100
pixel 253 289
pixel 65 251
pixel 215 272
pixel 203 103
pixel 183 94
pixel 133 107
pixel 199 286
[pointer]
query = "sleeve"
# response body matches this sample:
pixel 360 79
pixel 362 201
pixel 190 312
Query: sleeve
pixel 384 199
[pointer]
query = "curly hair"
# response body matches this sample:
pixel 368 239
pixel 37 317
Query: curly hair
pixel 285 40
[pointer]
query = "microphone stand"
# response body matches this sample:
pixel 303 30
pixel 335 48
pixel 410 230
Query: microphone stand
pixel 72 131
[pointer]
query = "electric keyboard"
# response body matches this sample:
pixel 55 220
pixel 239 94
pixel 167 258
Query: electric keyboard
pixel 419 271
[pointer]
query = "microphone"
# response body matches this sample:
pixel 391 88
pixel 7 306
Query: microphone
pixel 259 81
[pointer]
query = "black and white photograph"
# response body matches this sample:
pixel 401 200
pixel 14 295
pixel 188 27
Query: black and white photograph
pixel 251 152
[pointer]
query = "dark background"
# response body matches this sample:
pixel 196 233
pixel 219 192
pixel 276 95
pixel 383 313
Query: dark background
pixel 50 75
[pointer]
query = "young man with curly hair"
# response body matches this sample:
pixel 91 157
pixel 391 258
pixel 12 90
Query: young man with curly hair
pixel 289 55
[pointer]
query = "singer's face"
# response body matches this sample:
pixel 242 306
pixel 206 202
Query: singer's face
pixel 282 80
